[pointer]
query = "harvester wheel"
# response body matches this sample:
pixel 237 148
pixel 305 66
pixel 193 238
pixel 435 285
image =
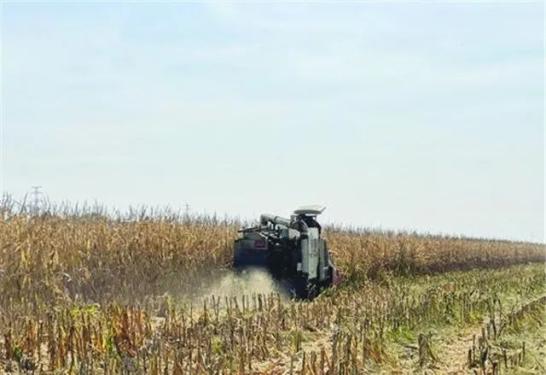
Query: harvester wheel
pixel 312 290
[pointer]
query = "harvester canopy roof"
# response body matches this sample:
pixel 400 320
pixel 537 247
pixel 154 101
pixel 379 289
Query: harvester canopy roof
pixel 314 209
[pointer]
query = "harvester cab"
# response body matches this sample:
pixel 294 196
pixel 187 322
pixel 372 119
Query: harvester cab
pixel 291 250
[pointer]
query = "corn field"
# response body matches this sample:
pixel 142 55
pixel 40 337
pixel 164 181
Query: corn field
pixel 85 292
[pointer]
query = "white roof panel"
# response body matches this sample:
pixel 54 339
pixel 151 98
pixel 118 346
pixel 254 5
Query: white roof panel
pixel 314 209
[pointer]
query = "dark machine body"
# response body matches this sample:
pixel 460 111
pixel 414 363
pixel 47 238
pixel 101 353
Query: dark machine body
pixel 291 250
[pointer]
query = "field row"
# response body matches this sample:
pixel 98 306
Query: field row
pixel 389 323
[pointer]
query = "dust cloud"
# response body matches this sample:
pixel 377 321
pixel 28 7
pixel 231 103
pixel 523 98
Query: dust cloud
pixel 245 283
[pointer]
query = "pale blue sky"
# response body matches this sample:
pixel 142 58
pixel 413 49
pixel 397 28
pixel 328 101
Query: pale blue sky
pixel 399 115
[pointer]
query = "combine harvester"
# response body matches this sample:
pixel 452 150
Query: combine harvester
pixel 290 250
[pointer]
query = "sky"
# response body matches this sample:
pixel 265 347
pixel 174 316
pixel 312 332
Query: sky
pixel 404 116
